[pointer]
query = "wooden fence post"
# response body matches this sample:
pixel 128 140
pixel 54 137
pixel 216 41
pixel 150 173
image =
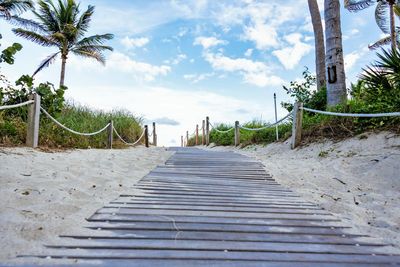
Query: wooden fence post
pixel 197 134
pixel 276 119
pixel 181 140
pixel 203 136
pixel 207 131
pixel 110 132
pixel 146 136
pixel 187 138
pixel 237 133
pixel 154 134
pixel 297 124
pixel 32 134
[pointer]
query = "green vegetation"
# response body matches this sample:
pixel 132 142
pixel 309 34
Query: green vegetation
pixel 76 117
pixel 377 91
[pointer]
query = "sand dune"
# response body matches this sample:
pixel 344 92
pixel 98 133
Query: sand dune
pixel 46 194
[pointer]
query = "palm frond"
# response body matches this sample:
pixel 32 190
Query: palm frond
pixel 97 39
pixel 84 20
pixel 48 16
pixel 45 63
pixel 384 41
pixel 25 23
pixel 396 9
pixel 34 37
pixel 90 54
pixel 15 7
pixel 382 17
pixel 95 48
pixel 357 5
pixel 385 71
pixel 389 62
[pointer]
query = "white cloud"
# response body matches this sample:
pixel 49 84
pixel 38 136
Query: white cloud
pixel 179 58
pixel 264 36
pixel 140 70
pixel 290 56
pixel 248 52
pixel 130 43
pixel 253 72
pixel 195 78
pixel 351 59
pixel 207 42
pixel 261 21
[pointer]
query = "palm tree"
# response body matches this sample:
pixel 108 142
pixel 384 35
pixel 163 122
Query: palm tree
pixel 336 84
pixel 388 39
pixel 381 17
pixel 319 43
pixel 10 8
pixel 63 27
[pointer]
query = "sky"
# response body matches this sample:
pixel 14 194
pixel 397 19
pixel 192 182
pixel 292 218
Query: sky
pixel 177 61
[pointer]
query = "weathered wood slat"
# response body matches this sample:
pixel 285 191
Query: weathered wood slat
pixel 217 236
pixel 221 220
pixel 214 208
pixel 221 255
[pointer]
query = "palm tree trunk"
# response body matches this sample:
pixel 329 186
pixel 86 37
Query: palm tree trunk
pixel 392 25
pixel 336 80
pixel 319 43
pixel 63 63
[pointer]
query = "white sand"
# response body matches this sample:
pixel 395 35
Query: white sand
pixel 47 194
pixel 370 169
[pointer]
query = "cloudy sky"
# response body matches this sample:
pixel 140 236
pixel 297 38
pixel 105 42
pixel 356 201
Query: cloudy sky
pixel 177 61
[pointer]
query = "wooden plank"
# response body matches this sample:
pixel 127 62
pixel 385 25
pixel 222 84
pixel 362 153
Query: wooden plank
pixel 221 255
pixel 195 219
pixel 218 236
pixel 237 228
pixel 214 208
pixel 213 204
pixel 205 245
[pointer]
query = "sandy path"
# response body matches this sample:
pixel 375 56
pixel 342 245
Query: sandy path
pixel 357 179
pixel 46 194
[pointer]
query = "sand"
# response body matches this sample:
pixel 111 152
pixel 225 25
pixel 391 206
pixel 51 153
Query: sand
pixel 44 195
pixel 357 180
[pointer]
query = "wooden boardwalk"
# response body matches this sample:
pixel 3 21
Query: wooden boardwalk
pixel 216 209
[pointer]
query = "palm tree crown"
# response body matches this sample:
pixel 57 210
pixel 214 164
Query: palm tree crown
pixel 384 17
pixel 63 26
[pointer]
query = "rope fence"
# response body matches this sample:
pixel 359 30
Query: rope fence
pixel 35 108
pixel 127 143
pixel 295 117
pixel 17 105
pixel 359 115
pixel 73 131
pixel 298 119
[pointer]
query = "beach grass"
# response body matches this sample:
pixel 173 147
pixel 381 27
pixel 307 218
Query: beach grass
pixel 77 117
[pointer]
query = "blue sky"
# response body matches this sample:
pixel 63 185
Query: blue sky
pixel 178 61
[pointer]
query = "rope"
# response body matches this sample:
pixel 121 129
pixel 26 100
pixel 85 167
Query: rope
pixel 126 143
pixel 219 131
pixel 268 126
pixel 70 130
pixel 17 105
pixel 393 114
